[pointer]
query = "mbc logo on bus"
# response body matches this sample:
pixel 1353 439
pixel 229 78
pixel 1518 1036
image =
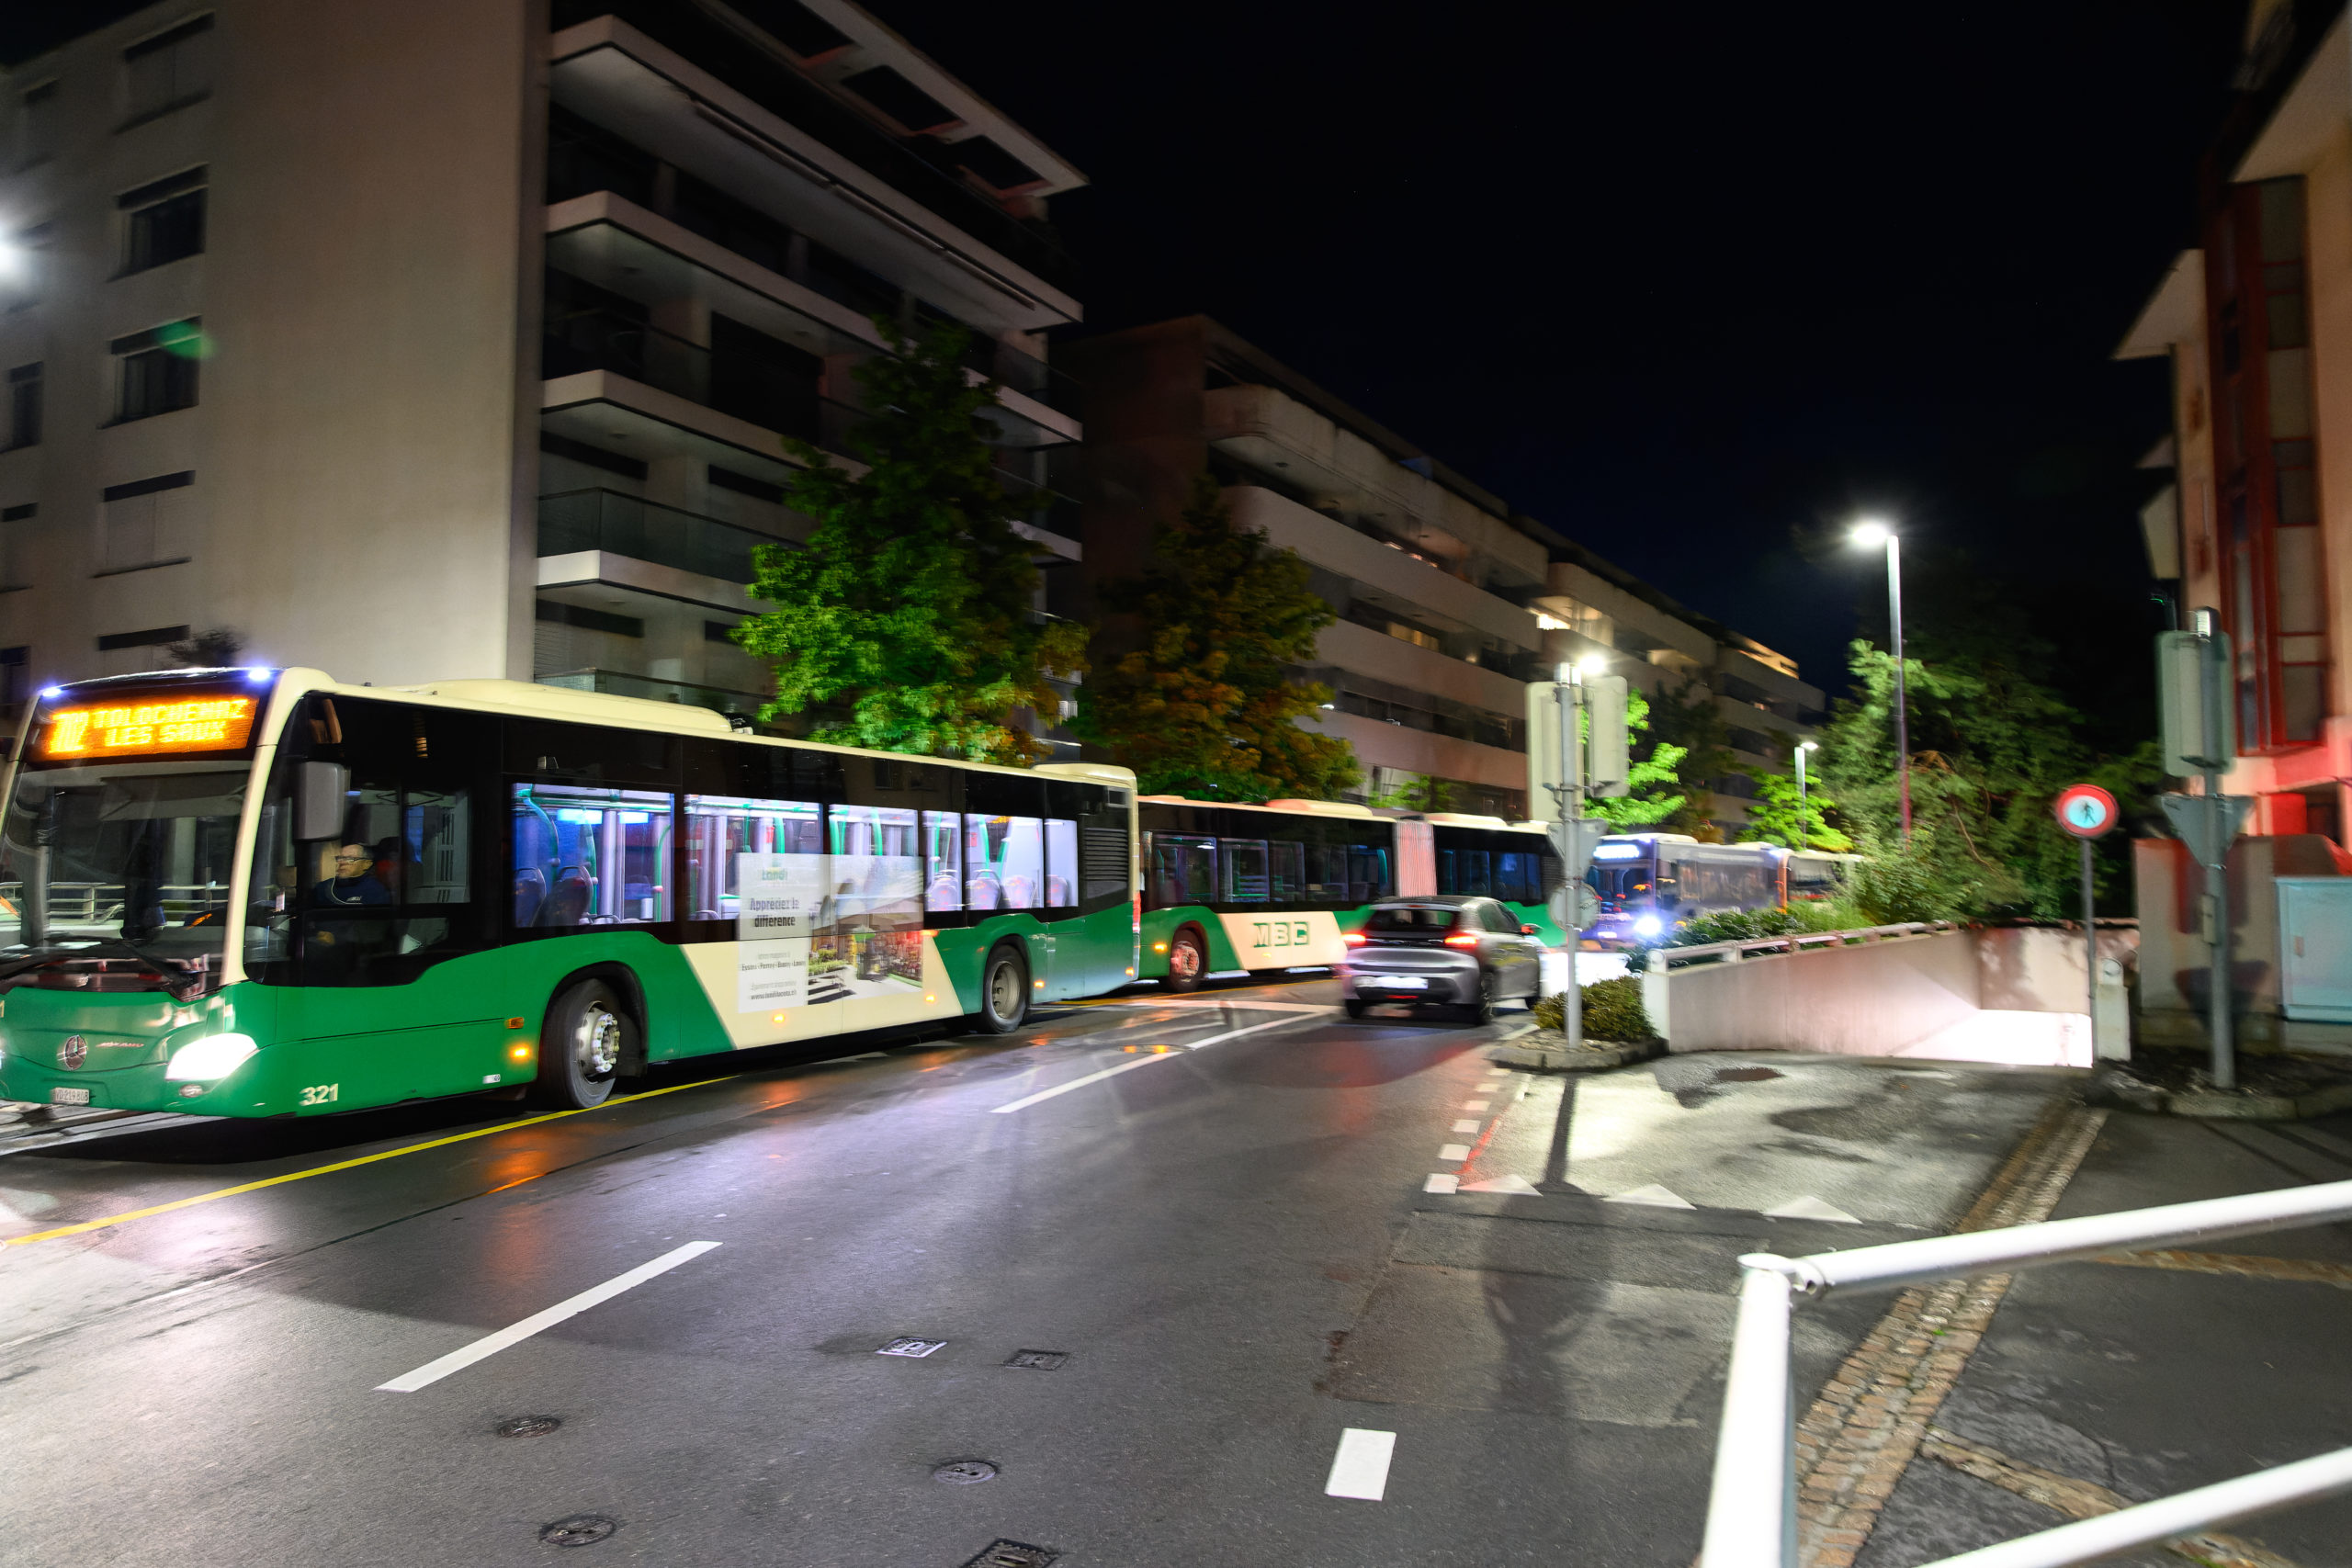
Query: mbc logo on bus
pixel 1279 933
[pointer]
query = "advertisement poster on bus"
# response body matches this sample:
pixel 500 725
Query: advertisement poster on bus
pixel 814 929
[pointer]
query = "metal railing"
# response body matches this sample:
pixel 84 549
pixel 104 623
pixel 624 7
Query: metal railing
pixel 1752 1508
pixel 600 519
pixel 750 387
pixel 1664 958
pixel 87 903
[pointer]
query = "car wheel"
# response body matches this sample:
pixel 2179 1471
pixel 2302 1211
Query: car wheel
pixel 1483 1009
pixel 1004 991
pixel 1354 1006
pixel 587 1036
pixel 1188 960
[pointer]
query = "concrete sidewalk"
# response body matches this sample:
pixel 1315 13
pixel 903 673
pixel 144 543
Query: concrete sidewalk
pixel 2095 1385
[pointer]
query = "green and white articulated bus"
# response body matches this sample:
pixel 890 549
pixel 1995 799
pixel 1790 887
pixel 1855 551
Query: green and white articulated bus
pixel 1282 886
pixel 262 892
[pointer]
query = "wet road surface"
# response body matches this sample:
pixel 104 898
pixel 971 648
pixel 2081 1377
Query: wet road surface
pixel 1170 1253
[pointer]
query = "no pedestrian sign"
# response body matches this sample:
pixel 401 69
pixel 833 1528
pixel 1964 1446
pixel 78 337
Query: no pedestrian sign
pixel 2084 810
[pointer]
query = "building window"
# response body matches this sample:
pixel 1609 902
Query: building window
pixel 156 370
pixel 168 71
pixel 164 221
pixel 144 523
pixel 24 406
pixel 154 637
pixel 36 125
pixel 590 620
pixel 16 523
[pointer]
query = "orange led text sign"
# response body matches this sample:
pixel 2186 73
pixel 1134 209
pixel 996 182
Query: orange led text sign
pixel 149 729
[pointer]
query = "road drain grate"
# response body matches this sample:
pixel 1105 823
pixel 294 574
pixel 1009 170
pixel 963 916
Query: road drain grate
pixel 581 1529
pixel 528 1426
pixel 1014 1554
pixel 908 1345
pixel 965 1472
pixel 1038 1361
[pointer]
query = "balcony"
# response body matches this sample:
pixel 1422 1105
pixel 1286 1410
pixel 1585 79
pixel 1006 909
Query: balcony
pixel 607 520
pixel 755 389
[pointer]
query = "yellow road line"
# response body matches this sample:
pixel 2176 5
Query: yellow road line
pixel 339 1165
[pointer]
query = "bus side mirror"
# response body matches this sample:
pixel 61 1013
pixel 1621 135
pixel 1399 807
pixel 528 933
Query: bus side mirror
pixel 318 812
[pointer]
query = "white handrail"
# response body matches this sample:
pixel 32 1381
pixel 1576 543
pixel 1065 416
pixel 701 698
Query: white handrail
pixel 1751 1510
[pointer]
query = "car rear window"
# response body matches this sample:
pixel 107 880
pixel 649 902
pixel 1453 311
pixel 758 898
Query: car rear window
pixel 1413 918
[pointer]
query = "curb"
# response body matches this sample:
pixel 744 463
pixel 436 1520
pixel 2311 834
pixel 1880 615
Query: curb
pixel 1546 1051
pixel 2127 1093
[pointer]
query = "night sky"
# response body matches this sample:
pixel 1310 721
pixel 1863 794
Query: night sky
pixel 1680 281
pixel 1688 283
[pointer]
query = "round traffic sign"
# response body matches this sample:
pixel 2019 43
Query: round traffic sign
pixel 2084 810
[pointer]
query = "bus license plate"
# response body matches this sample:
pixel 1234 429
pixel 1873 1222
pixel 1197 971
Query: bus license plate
pixel 1401 982
pixel 69 1097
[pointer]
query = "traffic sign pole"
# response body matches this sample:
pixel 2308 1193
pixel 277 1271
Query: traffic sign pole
pixel 2088 813
pixel 1571 696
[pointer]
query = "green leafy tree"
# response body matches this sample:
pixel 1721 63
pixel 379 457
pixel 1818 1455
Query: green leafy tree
pixel 1653 785
pixel 1687 719
pixel 907 623
pixel 1991 746
pixel 1772 816
pixel 1415 792
pixel 1199 706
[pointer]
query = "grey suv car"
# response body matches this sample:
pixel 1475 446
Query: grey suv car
pixel 1451 949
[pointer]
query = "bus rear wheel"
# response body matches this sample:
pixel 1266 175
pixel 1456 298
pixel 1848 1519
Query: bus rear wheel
pixel 1188 960
pixel 586 1038
pixel 1004 991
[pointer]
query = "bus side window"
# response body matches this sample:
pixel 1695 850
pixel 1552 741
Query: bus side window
pixel 1245 870
pixel 1287 868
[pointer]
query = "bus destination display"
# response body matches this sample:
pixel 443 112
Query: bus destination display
pixel 148 728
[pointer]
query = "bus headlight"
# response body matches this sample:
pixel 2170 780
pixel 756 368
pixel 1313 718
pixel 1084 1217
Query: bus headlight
pixel 214 1056
pixel 1648 925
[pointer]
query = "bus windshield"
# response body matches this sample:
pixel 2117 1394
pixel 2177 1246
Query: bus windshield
pixel 116 876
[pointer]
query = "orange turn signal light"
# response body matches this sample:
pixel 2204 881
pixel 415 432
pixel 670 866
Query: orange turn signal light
pixel 1355 939
pixel 520 1051
pixel 1462 939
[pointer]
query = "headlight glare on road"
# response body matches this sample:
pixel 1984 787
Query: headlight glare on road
pixel 214 1056
pixel 1648 925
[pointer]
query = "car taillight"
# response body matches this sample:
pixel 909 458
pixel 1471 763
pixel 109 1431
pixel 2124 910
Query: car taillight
pixel 1462 939
pixel 1135 913
pixel 1355 939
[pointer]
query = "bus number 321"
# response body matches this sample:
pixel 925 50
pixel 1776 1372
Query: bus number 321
pixel 319 1094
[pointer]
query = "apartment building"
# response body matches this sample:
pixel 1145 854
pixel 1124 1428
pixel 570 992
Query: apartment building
pixel 1449 601
pixel 463 337
pixel 2257 323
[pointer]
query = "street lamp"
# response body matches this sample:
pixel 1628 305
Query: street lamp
pixel 1869 534
pixel 1805 834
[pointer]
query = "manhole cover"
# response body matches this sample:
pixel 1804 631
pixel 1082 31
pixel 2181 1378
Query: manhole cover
pixel 965 1472
pixel 1014 1554
pixel 581 1529
pixel 905 1346
pixel 1038 1361
pixel 528 1426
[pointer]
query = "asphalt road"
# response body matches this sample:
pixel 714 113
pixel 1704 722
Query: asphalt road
pixel 1223 1221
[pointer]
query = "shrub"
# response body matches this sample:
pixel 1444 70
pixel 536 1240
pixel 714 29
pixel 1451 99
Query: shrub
pixel 1733 925
pixel 1612 1011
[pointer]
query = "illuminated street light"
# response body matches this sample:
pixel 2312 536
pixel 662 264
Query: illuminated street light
pixel 1869 534
pixel 1804 836
pixel 1592 663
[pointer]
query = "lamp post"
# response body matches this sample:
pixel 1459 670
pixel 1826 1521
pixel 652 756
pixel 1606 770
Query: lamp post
pixel 1867 533
pixel 1804 823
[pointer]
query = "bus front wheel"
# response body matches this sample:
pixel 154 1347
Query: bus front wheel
pixel 583 1046
pixel 1004 991
pixel 1187 961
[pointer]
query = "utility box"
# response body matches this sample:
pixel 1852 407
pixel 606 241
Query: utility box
pixel 2315 948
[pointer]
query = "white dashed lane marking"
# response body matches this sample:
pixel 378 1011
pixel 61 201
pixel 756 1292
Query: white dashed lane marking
pixel 1653 1196
pixel 1440 1181
pixel 490 1343
pixel 1359 1469
pixel 1476 1104
pixel 1454 1152
pixel 1470 1124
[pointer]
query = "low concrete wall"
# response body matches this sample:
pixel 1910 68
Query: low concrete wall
pixel 1867 1001
pixel 2039 968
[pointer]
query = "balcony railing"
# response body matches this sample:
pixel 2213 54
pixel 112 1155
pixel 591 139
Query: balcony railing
pixel 598 519
pixel 743 386
pixel 742 707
